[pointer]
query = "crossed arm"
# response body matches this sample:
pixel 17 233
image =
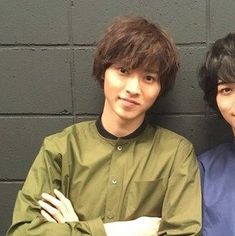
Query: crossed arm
pixel 59 209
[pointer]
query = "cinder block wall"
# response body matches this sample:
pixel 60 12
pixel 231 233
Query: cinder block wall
pixel 46 49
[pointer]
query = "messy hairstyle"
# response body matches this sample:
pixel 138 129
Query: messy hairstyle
pixel 219 65
pixel 134 43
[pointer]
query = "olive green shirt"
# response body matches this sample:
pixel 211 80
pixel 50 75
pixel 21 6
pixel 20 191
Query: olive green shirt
pixel 152 173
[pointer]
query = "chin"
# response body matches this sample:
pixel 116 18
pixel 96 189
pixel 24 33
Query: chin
pixel 129 117
pixel 125 117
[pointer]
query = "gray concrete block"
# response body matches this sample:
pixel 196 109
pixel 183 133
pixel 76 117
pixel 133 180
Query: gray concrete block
pixel 186 97
pixel 8 193
pixel 222 18
pixel 184 19
pixel 204 132
pixel 88 95
pixel 34 22
pixel 21 138
pixel 35 81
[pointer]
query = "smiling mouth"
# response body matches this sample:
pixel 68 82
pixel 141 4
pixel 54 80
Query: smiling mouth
pixel 129 101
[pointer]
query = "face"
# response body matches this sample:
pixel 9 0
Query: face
pixel 226 102
pixel 129 94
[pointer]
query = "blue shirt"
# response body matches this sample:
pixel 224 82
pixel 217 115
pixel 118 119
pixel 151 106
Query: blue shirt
pixel 218 183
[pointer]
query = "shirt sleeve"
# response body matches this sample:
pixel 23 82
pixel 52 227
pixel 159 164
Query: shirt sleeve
pixel 45 175
pixel 181 211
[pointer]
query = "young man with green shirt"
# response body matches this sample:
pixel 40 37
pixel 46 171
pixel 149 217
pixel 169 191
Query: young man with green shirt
pixel 118 175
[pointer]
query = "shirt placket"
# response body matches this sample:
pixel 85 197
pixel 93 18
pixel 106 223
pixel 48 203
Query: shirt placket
pixel 115 183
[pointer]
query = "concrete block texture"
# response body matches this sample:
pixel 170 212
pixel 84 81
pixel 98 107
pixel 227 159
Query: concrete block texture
pixel 34 22
pixel 8 195
pixel 88 94
pixel 222 18
pixel 21 139
pixel 184 19
pixel 35 81
pixel 186 96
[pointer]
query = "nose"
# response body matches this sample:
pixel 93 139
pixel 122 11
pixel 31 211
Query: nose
pixel 133 86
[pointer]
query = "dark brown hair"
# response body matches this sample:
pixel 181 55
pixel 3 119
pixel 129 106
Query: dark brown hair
pixel 219 65
pixel 134 43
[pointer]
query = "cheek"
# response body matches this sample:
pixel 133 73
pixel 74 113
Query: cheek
pixel 225 107
pixel 151 96
pixel 222 103
pixel 155 92
pixel 108 83
pixel 112 87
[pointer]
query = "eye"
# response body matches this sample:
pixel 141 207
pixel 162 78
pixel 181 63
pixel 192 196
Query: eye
pixel 225 90
pixel 123 70
pixel 149 79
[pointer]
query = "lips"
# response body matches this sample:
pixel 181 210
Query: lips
pixel 131 101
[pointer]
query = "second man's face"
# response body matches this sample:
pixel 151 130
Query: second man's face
pixel 226 102
pixel 129 94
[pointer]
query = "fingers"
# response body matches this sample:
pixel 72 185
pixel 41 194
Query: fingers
pixel 57 203
pixel 148 224
pixel 67 210
pixel 47 216
pixel 49 198
pixel 58 208
pixel 60 195
pixel 66 202
pixel 150 221
pixel 55 213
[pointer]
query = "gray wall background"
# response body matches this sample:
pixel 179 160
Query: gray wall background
pixel 46 49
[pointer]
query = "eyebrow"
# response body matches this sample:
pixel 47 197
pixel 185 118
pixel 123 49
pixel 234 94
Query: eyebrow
pixel 222 82
pixel 151 72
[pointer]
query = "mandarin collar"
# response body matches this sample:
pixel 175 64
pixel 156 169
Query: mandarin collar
pixel 102 131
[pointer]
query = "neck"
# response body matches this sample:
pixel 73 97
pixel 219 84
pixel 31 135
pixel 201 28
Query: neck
pixel 119 126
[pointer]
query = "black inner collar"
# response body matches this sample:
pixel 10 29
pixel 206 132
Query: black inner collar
pixel 108 135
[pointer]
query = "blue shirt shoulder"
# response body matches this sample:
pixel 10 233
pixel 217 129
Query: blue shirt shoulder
pixel 218 181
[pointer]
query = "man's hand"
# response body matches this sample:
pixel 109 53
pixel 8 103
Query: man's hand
pixel 142 226
pixel 57 210
pixel 149 225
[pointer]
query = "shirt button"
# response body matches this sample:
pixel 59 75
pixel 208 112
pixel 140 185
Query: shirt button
pixel 114 181
pixel 119 148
